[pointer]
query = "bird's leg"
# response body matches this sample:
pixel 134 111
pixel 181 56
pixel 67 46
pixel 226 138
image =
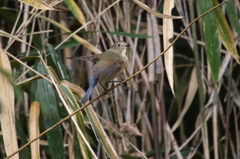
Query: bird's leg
pixel 118 82
pixel 104 88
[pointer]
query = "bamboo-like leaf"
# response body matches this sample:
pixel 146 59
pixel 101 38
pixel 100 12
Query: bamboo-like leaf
pixel 53 74
pixel 73 105
pixel 8 15
pixel 168 34
pixel 34 128
pixel 77 12
pixel 96 125
pixel 74 88
pixel 28 80
pixel 98 129
pixel 232 14
pixel 49 112
pixel 225 33
pixel 157 14
pixel 76 37
pixel 38 4
pixel 7 113
pixel 25 153
pixel 58 63
pixel 15 63
pixel 68 44
pixel 209 24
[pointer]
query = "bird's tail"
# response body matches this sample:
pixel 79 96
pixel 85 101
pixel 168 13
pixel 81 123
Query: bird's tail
pixel 89 91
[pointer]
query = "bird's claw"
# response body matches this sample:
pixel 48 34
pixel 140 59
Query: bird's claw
pixel 122 84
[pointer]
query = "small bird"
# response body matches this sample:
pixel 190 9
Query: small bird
pixel 110 64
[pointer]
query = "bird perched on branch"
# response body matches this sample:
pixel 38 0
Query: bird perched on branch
pixel 110 64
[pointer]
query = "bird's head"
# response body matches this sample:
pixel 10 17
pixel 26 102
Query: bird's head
pixel 120 47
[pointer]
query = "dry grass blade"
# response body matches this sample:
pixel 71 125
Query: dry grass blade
pixel 76 37
pixel 74 33
pixel 168 34
pixel 34 128
pixel 7 116
pixel 192 89
pixel 114 108
pixel 174 142
pixel 3 33
pixel 215 126
pixel 142 155
pixel 157 14
pixel 98 129
pixel 28 80
pixel 24 64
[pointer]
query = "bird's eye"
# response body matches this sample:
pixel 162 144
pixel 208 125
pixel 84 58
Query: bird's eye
pixel 118 44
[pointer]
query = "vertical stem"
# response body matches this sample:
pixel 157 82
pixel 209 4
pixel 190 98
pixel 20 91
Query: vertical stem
pixel 215 123
pixel 154 121
pixel 229 93
pixel 199 80
pixel 151 50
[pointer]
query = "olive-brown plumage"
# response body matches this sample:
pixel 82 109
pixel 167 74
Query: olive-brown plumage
pixel 110 64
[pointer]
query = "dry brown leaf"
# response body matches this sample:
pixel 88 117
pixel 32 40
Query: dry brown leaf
pixel 130 128
pixel 76 10
pixel 39 4
pixel 192 89
pixel 7 116
pixel 157 14
pixel 34 128
pixel 73 87
pixel 168 34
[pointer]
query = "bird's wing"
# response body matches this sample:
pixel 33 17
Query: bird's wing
pixel 86 58
pixel 107 69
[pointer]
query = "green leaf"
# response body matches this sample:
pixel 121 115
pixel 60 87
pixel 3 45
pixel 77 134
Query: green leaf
pixel 209 24
pixel 73 7
pixel 70 99
pixel 99 131
pixel 68 44
pixel 231 10
pixel 225 33
pixel 58 63
pixel 8 15
pixel 77 148
pixel 33 85
pixel 25 153
pixel 15 63
pixel 49 114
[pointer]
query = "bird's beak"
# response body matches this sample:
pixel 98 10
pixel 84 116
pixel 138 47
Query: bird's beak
pixel 127 45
